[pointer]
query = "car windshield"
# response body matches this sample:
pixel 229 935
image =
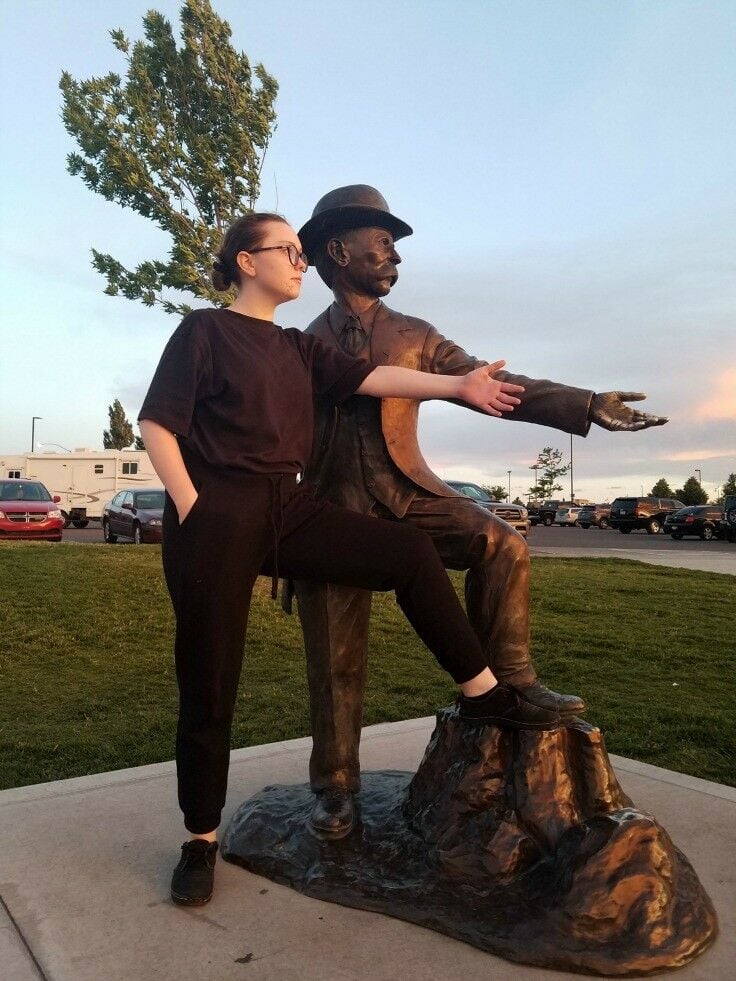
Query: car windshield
pixel 23 491
pixel 150 500
pixel 470 490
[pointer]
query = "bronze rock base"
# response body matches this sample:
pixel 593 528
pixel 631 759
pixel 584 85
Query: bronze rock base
pixel 520 843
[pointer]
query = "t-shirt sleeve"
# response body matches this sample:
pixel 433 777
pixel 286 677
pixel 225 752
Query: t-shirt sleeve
pixel 335 374
pixel 179 379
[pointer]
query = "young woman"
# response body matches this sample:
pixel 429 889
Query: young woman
pixel 227 423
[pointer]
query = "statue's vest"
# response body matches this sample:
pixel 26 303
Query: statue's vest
pixel 366 449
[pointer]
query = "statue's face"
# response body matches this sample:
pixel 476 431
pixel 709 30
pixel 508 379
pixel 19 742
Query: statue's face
pixel 371 261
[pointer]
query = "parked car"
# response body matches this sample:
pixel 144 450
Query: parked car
pixel 515 514
pixel 567 517
pixel 703 520
pixel 595 514
pixel 544 513
pixel 27 510
pixel 728 523
pixel 134 514
pixel 628 513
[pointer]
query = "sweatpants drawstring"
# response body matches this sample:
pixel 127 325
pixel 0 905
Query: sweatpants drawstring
pixel 277 523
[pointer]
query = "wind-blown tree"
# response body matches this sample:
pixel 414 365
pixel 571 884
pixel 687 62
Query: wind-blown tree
pixel 120 434
pixel 549 462
pixel 691 492
pixel 181 141
pixel 662 489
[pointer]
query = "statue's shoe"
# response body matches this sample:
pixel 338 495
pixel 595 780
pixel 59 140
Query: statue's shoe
pixel 538 694
pixel 502 706
pixel 333 814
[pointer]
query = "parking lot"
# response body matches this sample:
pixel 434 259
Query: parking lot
pixel 690 553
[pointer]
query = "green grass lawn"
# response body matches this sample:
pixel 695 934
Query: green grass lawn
pixel 87 681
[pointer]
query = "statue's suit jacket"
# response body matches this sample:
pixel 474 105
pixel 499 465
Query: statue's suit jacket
pixel 380 456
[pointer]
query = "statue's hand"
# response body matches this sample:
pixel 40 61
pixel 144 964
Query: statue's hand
pixel 607 409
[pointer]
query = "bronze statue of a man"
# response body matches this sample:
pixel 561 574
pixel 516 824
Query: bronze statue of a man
pixel 366 457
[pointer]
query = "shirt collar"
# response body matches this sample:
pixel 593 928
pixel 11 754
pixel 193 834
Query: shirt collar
pixel 339 317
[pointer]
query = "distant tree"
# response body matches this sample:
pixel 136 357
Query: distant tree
pixel 139 444
pixel 181 141
pixel 120 434
pixel 729 487
pixel 691 492
pixel 496 492
pixel 549 462
pixel 518 500
pixel 662 489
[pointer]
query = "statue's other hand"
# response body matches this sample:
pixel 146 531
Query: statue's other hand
pixel 607 409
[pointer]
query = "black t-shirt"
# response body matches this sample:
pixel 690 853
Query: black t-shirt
pixel 238 391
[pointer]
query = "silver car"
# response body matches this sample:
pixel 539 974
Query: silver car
pixel 567 517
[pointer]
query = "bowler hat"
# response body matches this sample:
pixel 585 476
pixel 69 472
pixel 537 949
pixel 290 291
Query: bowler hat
pixel 354 206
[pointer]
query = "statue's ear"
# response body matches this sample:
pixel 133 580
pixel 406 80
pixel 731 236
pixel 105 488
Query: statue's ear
pixel 337 252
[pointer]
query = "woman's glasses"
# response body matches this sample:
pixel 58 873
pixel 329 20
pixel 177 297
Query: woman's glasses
pixel 295 256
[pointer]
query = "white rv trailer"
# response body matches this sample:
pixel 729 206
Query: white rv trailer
pixel 85 480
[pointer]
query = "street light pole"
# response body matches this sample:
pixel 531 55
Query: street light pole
pixel 700 479
pixel 33 431
pixel 509 497
pixel 572 490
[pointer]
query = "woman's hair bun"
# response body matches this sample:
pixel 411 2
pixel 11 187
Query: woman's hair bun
pixel 221 279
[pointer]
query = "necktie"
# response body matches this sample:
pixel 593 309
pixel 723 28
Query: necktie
pixel 352 338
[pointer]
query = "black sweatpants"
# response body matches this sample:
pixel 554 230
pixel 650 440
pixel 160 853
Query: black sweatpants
pixel 243 525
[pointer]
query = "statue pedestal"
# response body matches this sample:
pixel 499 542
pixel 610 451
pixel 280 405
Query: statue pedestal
pixel 521 843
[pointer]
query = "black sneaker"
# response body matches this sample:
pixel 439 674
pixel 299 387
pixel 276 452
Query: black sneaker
pixel 194 876
pixel 502 706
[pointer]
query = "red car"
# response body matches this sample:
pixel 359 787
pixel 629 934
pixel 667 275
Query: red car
pixel 27 510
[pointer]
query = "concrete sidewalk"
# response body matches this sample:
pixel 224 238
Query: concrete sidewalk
pixel 86 866
pixel 699 560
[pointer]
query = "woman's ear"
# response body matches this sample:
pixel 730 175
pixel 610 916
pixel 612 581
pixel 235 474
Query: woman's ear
pixel 244 262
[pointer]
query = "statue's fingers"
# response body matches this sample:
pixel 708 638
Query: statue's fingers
pixel 632 396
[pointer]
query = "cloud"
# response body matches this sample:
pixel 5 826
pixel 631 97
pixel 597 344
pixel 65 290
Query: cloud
pixel 722 404
pixel 686 455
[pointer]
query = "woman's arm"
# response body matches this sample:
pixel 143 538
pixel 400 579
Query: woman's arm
pixel 165 455
pixel 478 388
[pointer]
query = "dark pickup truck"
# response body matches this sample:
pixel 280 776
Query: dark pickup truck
pixel 544 513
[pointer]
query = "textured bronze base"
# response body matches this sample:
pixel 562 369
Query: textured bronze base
pixel 520 843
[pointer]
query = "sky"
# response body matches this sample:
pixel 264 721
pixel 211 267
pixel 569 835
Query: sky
pixel 568 167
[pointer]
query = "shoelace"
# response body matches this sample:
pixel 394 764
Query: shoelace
pixel 197 856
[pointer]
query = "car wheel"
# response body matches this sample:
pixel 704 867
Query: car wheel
pixel 548 521
pixel 586 525
pixel 80 522
pixel 707 533
pixel 625 531
pixel 654 527
pixel 110 539
pixel 137 538
pixel 603 523
pixel 67 519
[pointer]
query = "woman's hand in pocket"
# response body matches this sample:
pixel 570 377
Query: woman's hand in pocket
pixel 185 505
